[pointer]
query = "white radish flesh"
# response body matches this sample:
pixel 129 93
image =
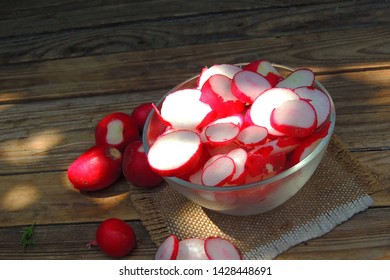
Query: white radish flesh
pixel 168 250
pixel 191 249
pixel 219 172
pixel 175 153
pixel 221 133
pixel 295 118
pixel 298 78
pixel 183 109
pixel 225 69
pixel 318 99
pixel 266 69
pixel 252 136
pixel 239 156
pixel 248 85
pixel 261 109
pixel 218 248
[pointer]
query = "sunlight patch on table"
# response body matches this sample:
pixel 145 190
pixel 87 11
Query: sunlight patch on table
pixel 19 198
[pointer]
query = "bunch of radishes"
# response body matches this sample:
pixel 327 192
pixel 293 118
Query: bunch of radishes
pixel 211 248
pixel 239 125
pixel 117 150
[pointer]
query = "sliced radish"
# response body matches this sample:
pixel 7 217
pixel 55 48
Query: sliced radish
pixel 191 249
pixel 266 69
pixel 295 118
pixel 318 99
pixel 261 109
pixel 196 177
pixel 309 144
pixel 248 85
pixel 283 144
pixel 297 78
pixel 216 92
pixel 215 150
pixel 183 110
pixel 225 69
pixel 221 133
pixel 168 250
pixel 175 153
pixel 237 119
pixel 219 172
pixel 218 248
pixel 252 136
pixel 239 156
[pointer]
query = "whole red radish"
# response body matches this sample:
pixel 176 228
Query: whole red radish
pixel 136 168
pixel 141 113
pixel 95 169
pixel 116 238
pixel 117 129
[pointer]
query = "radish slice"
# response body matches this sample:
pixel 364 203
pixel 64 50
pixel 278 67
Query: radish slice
pixel 248 85
pixel 309 144
pixel 191 249
pixel 219 172
pixel 239 156
pixel 261 109
pixel 183 109
pixel 175 153
pixel 225 69
pixel 221 133
pixel 196 177
pixel 284 144
pixel 252 136
pixel 216 92
pixel 218 248
pixel 169 249
pixel 298 78
pixel 295 118
pixel 266 69
pixel 237 119
pixel 318 99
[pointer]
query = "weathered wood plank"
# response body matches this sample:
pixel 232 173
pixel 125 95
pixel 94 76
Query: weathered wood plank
pixel 49 198
pixel 156 70
pixel 55 16
pixel 202 29
pixel 68 241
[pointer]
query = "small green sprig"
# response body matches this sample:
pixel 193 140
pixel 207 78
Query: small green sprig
pixel 27 234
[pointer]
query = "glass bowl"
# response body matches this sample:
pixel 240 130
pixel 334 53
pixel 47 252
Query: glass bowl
pixel 248 199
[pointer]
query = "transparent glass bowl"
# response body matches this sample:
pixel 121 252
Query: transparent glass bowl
pixel 249 199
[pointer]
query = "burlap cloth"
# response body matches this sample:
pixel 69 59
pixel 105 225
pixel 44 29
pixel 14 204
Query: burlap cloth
pixel 338 189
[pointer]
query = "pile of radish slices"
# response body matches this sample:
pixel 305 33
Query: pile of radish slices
pixel 239 125
pixel 211 248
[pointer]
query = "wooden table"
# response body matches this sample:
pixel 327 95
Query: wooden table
pixel 66 64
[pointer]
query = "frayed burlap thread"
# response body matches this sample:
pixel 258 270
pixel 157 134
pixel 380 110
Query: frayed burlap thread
pixel 339 188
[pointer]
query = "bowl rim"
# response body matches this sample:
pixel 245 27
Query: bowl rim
pixel 322 145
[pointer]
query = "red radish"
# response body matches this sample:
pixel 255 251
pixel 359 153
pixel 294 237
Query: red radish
pixel 169 249
pixel 221 133
pixel 184 110
pixel 95 169
pixel 136 169
pixel 117 130
pixel 318 99
pixel 219 172
pixel 295 118
pixel 266 69
pixel 248 85
pixel 174 153
pixel 225 69
pixel 239 156
pixel 236 119
pixel 214 150
pixel 196 177
pixel 212 159
pixel 261 109
pixel 191 249
pixel 252 135
pixel 216 92
pixel 115 238
pixel 297 78
pixel 218 248
pixel 309 144
pixel 283 144
pixel 141 113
